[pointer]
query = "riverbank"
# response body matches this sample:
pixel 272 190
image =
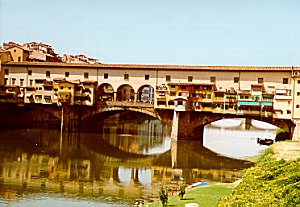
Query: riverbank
pixel 277 165
pixel 207 195
pixel 273 181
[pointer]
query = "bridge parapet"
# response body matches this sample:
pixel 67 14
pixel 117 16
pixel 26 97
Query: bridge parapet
pixel 125 104
pixel 105 106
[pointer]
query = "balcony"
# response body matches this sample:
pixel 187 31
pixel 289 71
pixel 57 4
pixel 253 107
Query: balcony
pixel 282 97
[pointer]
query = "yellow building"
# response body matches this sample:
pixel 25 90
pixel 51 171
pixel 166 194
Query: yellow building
pixel 18 53
pixel 66 92
pixel 5 56
pixel 29 94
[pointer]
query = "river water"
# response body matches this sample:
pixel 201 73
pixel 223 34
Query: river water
pixel 126 160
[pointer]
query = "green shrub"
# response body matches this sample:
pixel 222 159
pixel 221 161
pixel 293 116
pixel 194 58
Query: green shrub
pixel 268 183
pixel 181 190
pixel 163 195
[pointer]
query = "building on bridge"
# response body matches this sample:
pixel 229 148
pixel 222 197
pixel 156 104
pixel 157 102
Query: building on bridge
pixel 272 92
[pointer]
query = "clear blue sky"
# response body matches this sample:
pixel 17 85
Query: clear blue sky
pixel 188 32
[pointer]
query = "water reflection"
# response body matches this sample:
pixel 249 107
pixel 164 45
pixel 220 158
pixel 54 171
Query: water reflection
pixel 126 159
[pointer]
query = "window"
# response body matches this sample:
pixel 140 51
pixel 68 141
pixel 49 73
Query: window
pixel 19 59
pixel 236 79
pixel 298 81
pixel 29 72
pixel 297 106
pixel 171 103
pixel 285 81
pixel 183 87
pixel 5 81
pixel 39 81
pixel 15 50
pixel 6 72
pixel 298 93
pixel 47 99
pixel 13 81
pixel 146 77
pixel 173 86
pixel 48 74
pixel 260 80
pixel 105 75
pixel 48 88
pixel 69 88
pixel 61 88
pixel 86 75
pixel 21 82
pixel 190 79
pixel 288 111
pixel 213 79
pixel 126 76
pixel 67 74
pixel 168 78
pixel 30 82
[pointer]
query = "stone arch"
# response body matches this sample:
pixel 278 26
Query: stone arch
pixel 125 92
pixel 105 92
pixel 145 94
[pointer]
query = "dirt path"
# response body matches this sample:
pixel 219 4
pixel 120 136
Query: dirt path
pixel 286 150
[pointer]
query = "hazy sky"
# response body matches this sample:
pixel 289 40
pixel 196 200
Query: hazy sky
pixel 189 32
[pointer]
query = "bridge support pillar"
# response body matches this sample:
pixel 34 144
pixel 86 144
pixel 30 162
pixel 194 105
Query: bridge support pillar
pixel 185 128
pixel 71 119
pixel 115 96
pixel 296 131
pixel 135 97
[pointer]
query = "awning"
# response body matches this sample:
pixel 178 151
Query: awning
pixel 248 103
pixel 280 91
pixel 231 96
pixel 267 103
pixel 180 97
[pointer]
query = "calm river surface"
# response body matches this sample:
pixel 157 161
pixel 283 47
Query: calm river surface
pixel 127 159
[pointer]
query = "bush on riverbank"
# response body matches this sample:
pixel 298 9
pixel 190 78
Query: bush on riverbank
pixel 270 183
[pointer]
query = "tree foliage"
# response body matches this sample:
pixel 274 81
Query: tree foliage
pixel 163 195
pixel 181 191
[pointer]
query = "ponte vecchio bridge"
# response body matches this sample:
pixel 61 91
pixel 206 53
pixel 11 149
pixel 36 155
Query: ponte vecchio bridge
pixel 197 95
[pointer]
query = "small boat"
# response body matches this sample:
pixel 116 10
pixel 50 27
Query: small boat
pixel 265 141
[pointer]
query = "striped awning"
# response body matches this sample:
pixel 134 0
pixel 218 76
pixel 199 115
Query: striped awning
pixel 264 103
pixel 248 103
pixel 254 103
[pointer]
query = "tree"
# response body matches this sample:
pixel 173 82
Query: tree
pixel 163 195
pixel 181 191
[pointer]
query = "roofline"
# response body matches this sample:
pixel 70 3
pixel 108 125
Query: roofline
pixel 153 67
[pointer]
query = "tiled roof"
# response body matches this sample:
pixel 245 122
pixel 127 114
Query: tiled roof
pixel 22 48
pixel 155 67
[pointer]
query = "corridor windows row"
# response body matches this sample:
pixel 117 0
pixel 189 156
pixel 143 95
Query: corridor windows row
pixel 190 79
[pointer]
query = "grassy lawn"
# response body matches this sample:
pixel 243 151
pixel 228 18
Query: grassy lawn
pixel 204 195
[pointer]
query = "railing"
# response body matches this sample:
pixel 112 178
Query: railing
pixel 125 104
